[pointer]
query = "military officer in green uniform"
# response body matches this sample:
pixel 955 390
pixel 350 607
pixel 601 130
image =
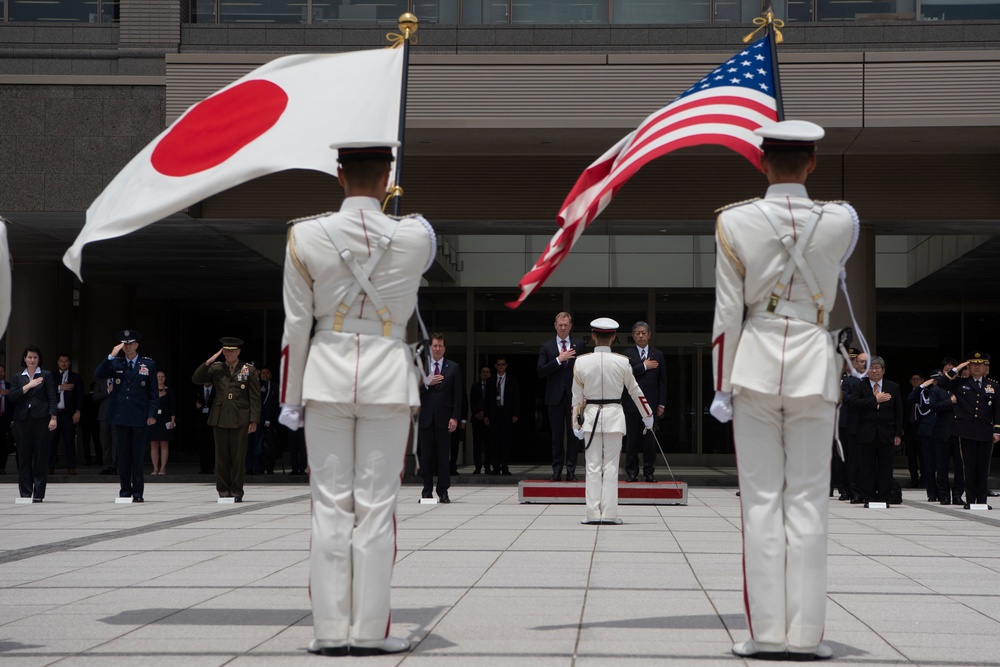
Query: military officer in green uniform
pixel 234 414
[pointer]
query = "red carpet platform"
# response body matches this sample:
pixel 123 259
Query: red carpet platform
pixel 629 493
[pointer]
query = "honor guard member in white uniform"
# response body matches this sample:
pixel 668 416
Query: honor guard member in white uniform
pixel 598 380
pixel 353 275
pixel 778 378
pixel 4 278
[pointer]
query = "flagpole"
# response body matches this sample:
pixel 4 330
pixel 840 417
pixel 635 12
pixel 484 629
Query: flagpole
pixel 407 33
pixel 770 24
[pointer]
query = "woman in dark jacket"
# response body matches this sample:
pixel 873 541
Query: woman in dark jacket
pixel 33 393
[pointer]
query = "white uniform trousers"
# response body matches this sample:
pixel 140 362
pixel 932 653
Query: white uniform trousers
pixel 783 461
pixel 602 475
pixel 356 457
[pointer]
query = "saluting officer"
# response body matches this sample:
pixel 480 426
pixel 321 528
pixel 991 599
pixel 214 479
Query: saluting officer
pixel 778 377
pixel 234 414
pixel 131 408
pixel 976 424
pixel 598 380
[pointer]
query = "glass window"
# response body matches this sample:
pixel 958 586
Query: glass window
pixel 850 10
pixel 203 11
pixel 263 11
pixel 662 11
pixel 110 11
pixel 55 10
pixel 559 12
pixel 960 10
pixel 360 11
pixel 436 11
pixel 479 12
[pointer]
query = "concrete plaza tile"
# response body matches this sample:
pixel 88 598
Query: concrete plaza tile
pixel 541 569
pixel 98 659
pixel 556 540
pixel 465 538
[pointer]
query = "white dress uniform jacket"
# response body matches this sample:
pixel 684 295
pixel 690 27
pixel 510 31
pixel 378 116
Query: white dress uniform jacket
pixel 772 354
pixel 344 367
pixel 4 278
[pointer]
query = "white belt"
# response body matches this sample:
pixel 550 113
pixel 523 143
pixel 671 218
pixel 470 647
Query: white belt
pixel 355 325
pixel 785 308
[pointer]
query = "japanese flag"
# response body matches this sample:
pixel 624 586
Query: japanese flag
pixel 283 115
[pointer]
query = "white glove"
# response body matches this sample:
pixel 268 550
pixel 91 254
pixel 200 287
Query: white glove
pixel 722 406
pixel 292 417
pixel 578 434
pixel 648 422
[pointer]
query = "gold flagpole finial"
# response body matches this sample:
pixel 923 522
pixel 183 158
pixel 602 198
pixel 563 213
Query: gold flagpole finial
pixel 407 31
pixel 767 21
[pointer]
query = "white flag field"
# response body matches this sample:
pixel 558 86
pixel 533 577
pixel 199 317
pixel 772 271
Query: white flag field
pixel 283 115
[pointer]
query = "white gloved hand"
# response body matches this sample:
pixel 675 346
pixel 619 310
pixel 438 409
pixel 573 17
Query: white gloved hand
pixel 578 434
pixel 722 406
pixel 648 422
pixel 292 416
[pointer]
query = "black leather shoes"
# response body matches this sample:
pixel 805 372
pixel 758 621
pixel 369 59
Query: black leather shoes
pixel 137 499
pixel 650 478
pixel 238 499
pixel 844 496
pixel 556 477
pixel 444 499
pixel 632 478
pixel 570 477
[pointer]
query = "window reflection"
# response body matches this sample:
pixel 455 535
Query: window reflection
pixel 559 12
pixel 64 11
pixel 662 11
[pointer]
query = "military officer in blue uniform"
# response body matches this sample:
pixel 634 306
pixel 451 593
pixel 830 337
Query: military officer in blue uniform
pixel 976 423
pixel 131 407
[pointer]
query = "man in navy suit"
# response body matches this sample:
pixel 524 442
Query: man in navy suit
pixel 441 396
pixel 555 364
pixel 503 405
pixel 879 406
pixel 649 367
pixel 70 403
pixel 131 408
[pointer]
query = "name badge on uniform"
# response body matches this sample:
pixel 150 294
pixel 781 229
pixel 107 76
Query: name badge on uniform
pixel 204 411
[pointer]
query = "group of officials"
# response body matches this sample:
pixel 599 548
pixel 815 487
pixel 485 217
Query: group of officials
pixel 952 420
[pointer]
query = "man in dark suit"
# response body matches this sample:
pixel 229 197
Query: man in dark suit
pixel 269 418
pixel 440 409
pixel 555 366
pixel 203 399
pixel 477 400
pixel 131 408
pixel 879 406
pixel 70 405
pixel 650 370
pixel 503 402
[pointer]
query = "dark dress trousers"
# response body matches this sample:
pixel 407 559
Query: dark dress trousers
pixel 6 417
pixel 558 399
pixel 65 428
pixel 878 425
pixel 439 403
pixel 477 403
pixel 206 443
pixel 848 430
pixel 267 428
pixel 134 399
pixel 501 411
pixel 653 383
pixel 947 450
pixel 32 411
pixel 934 408
pixel 106 430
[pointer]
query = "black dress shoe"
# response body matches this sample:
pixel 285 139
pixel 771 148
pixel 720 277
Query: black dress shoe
pixel 36 500
pixel 137 499
pixel 957 501
pixel 443 498
pixel 945 502
pixel 570 477
pixel 238 499
pixel 650 478
pixel 856 501
pixel 844 496
pixel 992 494
pixel 965 506
pixel 556 477
pixel 632 478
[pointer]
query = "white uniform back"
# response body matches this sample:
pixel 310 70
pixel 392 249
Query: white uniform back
pixel 601 375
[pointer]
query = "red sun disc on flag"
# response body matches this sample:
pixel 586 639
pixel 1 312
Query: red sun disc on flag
pixel 216 128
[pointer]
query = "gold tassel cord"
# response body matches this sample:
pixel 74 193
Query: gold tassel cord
pixel 394 191
pixel 407 32
pixel 764 22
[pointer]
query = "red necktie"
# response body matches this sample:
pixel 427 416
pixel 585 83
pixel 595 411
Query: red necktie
pixel 437 368
pixel 564 346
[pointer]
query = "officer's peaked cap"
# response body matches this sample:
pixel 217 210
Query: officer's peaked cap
pixel 129 336
pixel 230 343
pixel 604 325
pixel 358 151
pixel 790 135
pixel 979 358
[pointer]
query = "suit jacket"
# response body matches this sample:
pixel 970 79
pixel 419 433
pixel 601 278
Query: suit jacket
pixel 558 377
pixel 72 400
pixel 477 398
pixel 653 382
pixel 511 403
pixel 134 397
pixel 848 417
pixel 441 402
pixel 881 422
pixel 8 405
pixel 199 397
pixel 101 395
pixel 268 401
pixel 237 394
pixel 769 352
pixel 38 401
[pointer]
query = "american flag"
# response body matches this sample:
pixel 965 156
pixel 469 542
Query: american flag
pixel 723 108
